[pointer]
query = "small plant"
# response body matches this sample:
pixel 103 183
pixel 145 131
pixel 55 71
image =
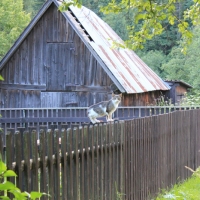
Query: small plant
pixel 187 190
pixel 119 195
pixel 8 187
pixel 163 101
pixel 191 99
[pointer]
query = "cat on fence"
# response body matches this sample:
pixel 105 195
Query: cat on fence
pixel 104 108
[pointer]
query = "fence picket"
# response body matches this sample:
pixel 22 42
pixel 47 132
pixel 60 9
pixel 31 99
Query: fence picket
pixel 70 164
pixel 50 163
pixel 86 164
pixel 101 139
pixel 64 164
pixel 92 133
pixel 43 162
pixel 34 163
pixel 27 156
pixel 90 172
pixel 77 164
pixel 56 152
pixel 96 162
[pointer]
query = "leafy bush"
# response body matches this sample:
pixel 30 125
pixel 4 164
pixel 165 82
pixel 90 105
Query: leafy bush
pixel 191 99
pixel 8 187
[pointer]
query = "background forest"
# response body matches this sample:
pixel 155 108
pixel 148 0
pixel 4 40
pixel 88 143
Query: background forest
pixel 162 53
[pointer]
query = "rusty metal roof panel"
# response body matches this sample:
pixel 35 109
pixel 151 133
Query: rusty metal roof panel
pixel 98 30
pixel 131 72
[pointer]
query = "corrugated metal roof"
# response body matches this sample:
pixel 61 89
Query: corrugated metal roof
pixel 178 81
pixel 131 72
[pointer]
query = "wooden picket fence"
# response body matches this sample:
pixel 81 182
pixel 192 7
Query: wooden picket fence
pixel 129 159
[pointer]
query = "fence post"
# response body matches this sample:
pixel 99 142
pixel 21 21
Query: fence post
pixel 34 164
pixel 1 144
pixel 50 163
pixel 122 158
pixel 64 163
pixel 56 161
pixel 27 155
pixel 43 162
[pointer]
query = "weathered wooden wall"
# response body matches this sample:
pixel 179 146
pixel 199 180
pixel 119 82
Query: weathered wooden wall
pixel 141 99
pixel 177 92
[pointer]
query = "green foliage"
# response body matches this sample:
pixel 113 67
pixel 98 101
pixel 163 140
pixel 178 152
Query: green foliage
pixel 191 99
pixel 95 6
pixel 8 187
pixel 32 6
pixel 67 3
pixel 185 66
pixel 120 26
pixel 188 190
pixel 152 17
pixel 119 195
pixel 1 78
pixel 12 22
pixel 155 60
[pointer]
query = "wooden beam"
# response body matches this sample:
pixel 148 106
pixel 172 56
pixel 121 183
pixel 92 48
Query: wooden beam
pixel 82 88
pixel 50 42
pixel 44 119
pixel 22 87
pixel 71 103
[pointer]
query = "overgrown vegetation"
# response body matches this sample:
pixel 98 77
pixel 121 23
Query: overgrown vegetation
pixel 191 99
pixel 187 190
pixel 8 187
pixel 163 101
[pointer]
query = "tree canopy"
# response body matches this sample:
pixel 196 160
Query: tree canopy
pixel 32 6
pixel 185 67
pixel 152 18
pixel 13 20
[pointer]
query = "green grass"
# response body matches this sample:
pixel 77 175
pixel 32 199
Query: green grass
pixel 187 190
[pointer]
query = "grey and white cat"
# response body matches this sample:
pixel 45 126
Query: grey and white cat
pixel 104 108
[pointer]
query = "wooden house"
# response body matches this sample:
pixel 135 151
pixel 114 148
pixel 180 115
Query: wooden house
pixel 66 59
pixel 177 90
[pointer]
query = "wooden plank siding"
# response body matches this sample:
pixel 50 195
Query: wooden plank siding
pixel 131 159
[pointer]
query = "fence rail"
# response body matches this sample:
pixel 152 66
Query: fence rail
pixel 26 117
pixel 129 159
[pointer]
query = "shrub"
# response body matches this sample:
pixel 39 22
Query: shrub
pixel 7 187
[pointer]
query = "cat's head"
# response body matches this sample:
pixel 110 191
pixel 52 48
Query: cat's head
pixel 116 98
